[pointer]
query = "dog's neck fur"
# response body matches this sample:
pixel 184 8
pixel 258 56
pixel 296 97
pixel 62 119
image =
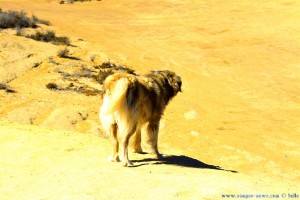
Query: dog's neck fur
pixel 169 91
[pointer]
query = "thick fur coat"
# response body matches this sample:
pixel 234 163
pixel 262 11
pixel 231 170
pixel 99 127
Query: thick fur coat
pixel 131 101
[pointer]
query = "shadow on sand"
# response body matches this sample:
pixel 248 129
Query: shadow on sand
pixel 182 161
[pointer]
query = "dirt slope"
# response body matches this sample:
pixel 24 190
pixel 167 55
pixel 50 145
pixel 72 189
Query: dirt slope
pixel 239 62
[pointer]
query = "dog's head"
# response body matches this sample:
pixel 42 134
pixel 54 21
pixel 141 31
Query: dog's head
pixel 173 81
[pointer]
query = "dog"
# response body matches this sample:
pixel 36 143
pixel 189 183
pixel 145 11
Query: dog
pixel 131 101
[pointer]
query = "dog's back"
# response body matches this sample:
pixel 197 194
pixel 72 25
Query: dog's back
pixel 130 96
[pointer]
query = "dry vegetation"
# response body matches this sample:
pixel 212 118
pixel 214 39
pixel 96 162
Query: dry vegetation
pixel 109 68
pixel 6 88
pixel 72 1
pixel 19 19
pixel 82 78
pixel 48 36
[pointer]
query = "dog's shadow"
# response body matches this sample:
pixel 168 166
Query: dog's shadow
pixel 179 160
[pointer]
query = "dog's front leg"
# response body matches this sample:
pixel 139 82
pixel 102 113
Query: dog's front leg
pixel 136 141
pixel 152 131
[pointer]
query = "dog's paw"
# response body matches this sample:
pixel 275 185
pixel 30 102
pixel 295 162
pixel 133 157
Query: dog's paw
pixel 127 163
pixel 139 151
pixel 114 158
pixel 159 156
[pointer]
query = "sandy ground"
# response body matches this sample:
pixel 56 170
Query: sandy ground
pixel 233 130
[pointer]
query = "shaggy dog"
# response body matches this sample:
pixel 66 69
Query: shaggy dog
pixel 131 101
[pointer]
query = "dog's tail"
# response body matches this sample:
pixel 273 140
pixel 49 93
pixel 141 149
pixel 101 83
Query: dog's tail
pixel 119 96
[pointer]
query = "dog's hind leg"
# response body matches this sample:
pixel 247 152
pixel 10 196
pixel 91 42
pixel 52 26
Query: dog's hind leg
pixel 124 153
pixel 152 131
pixel 114 138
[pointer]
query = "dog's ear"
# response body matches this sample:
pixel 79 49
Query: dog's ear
pixel 180 84
pixel 174 81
